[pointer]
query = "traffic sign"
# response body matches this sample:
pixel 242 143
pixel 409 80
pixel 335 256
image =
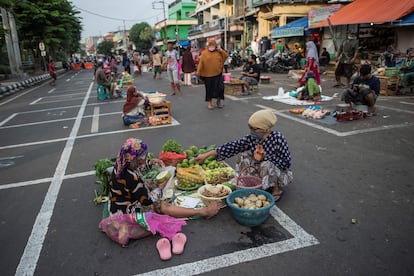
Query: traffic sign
pixel 43 53
pixel 41 46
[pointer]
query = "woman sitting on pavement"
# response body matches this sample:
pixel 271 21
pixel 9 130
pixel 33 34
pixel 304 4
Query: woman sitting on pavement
pixel 311 91
pixel 364 90
pixel 133 113
pixel 130 193
pixel 264 149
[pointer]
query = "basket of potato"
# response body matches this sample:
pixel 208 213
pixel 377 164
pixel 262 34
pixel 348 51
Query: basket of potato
pixel 250 207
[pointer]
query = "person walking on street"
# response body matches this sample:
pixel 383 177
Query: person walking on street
pixel 210 68
pixel 171 56
pixel 188 65
pixel 312 63
pixel 52 72
pixel 156 62
pixel 346 56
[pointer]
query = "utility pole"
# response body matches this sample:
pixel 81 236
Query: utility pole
pixel 124 38
pixel 165 18
pixel 225 25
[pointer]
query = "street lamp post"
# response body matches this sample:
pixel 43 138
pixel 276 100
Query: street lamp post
pixel 165 19
pixel 225 25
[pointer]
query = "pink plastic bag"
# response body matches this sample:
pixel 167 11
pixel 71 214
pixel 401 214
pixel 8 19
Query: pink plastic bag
pixel 122 227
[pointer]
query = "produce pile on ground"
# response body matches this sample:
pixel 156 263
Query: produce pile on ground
pixel 251 202
pixel 189 174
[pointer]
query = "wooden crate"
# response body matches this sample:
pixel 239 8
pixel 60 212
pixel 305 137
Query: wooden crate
pixel 234 87
pixel 389 85
pixel 160 113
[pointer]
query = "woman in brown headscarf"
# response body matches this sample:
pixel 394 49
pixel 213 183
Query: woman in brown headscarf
pixel 210 69
pixel 133 110
pixel 264 149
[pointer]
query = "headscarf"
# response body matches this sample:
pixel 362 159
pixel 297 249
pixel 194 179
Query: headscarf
pixel 131 100
pixel 312 51
pixel 263 119
pixel 211 44
pixel 131 149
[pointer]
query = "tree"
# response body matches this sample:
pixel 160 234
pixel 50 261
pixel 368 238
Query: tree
pixel 105 47
pixel 142 36
pixel 54 22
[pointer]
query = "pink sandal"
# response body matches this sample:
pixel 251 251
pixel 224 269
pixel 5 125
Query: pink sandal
pixel 164 249
pixel 178 243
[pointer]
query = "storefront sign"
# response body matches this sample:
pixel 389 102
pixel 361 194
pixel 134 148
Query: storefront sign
pixel 319 15
pixel 288 32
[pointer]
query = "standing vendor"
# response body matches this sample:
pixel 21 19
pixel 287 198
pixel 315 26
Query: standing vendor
pixel 264 149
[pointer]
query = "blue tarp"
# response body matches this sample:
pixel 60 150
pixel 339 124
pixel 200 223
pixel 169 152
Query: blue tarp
pixel 407 20
pixel 184 43
pixel 294 28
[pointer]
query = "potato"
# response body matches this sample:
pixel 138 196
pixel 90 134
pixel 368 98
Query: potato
pixel 266 203
pixel 259 203
pixel 252 197
pixel 239 201
pixel 261 197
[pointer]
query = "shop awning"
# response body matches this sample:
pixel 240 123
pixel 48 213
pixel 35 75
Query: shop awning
pixel 406 20
pixel 370 11
pixel 294 28
pixel 184 43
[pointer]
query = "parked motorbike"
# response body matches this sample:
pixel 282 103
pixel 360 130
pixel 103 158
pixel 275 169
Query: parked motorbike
pixel 283 62
pixel 266 59
pixel 235 59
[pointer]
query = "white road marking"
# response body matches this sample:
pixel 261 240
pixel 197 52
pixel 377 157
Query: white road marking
pixel 173 123
pixel 301 239
pixel 60 100
pixel 11 157
pixel 68 80
pixel 21 94
pixel 8 119
pixel 51 90
pixel 407 103
pixel 55 121
pixel 35 101
pixel 95 120
pixel 28 261
pixel 43 180
pixel 332 131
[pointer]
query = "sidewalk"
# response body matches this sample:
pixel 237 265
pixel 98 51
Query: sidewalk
pixel 13 84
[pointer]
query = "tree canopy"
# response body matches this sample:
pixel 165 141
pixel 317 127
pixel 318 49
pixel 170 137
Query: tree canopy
pixel 142 36
pixel 105 47
pixel 54 22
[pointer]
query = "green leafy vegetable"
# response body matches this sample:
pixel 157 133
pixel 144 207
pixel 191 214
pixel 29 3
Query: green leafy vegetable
pixel 102 173
pixel 172 146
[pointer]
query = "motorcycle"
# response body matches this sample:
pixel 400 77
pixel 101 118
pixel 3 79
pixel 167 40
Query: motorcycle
pixel 235 59
pixel 283 62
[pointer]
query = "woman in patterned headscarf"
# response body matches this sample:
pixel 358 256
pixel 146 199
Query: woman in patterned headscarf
pixel 264 149
pixel 129 192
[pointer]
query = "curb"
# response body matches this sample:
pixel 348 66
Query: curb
pixel 13 88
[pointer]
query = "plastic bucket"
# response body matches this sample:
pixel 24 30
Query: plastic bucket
pixel 227 76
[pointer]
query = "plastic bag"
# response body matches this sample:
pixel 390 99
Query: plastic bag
pixel 122 227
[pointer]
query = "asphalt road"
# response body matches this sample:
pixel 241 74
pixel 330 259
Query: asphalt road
pixel 360 171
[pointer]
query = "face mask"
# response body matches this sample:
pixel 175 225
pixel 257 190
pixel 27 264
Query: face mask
pixel 256 136
pixel 211 48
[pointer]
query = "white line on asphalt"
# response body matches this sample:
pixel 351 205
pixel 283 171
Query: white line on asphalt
pixel 60 100
pixel 173 123
pixel 11 157
pixel 68 80
pixel 51 90
pixel 35 101
pixel 57 120
pixel 28 261
pixel 21 94
pixel 95 120
pixel 301 239
pixel 332 131
pixel 407 103
pixel 43 180
pixel 8 119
